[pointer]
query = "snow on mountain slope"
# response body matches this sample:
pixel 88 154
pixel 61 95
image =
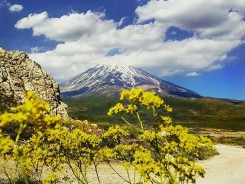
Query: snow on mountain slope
pixel 112 79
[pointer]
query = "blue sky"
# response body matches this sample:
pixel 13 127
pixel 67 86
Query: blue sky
pixel 198 44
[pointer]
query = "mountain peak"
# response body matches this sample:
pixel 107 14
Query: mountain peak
pixel 113 78
pixel 117 68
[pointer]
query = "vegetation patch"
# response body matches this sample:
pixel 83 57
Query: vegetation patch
pixel 237 141
pixel 162 153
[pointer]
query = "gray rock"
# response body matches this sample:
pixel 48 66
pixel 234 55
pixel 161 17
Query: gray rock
pixel 19 74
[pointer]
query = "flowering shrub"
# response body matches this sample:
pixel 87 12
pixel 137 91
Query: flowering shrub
pixel 167 153
pixel 32 117
pixel 162 154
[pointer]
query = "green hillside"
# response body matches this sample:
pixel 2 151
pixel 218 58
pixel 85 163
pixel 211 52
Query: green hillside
pixel 195 113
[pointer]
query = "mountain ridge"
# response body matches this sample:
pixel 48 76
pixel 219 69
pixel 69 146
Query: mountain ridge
pixel 111 79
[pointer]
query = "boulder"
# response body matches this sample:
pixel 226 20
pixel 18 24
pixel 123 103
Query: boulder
pixel 19 74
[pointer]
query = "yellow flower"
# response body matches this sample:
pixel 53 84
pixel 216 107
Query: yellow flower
pixel 106 154
pixel 115 132
pixel 150 100
pixel 116 109
pixel 131 109
pixel 51 178
pixel 166 119
pixel 168 108
pixel 6 145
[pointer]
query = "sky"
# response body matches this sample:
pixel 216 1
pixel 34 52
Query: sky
pixel 199 45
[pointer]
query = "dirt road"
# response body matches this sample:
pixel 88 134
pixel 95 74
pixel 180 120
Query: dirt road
pixel 226 168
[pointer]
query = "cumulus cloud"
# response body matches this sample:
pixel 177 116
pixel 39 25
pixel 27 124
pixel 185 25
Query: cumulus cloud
pixel 89 38
pixel 15 8
pixel 186 14
pixel 73 26
pixel 32 20
pixel 215 19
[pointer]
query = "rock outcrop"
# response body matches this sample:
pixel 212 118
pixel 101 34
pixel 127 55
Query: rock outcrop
pixel 19 74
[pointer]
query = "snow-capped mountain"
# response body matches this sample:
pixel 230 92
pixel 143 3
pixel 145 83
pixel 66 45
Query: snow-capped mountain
pixel 111 79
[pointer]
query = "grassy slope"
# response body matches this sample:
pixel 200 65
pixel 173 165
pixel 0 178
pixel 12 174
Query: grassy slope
pixel 205 112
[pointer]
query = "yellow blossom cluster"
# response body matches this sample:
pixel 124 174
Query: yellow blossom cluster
pixel 6 145
pixel 135 99
pixel 116 133
pixel 137 96
pixel 51 178
pixel 168 152
pixel 29 123
pixel 33 114
pixel 132 95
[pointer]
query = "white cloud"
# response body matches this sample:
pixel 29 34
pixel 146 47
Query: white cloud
pixel 73 27
pixel 210 19
pixel 192 74
pixel 121 21
pixel 35 49
pixel 31 21
pixel 87 38
pixel 16 8
pixel 186 14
